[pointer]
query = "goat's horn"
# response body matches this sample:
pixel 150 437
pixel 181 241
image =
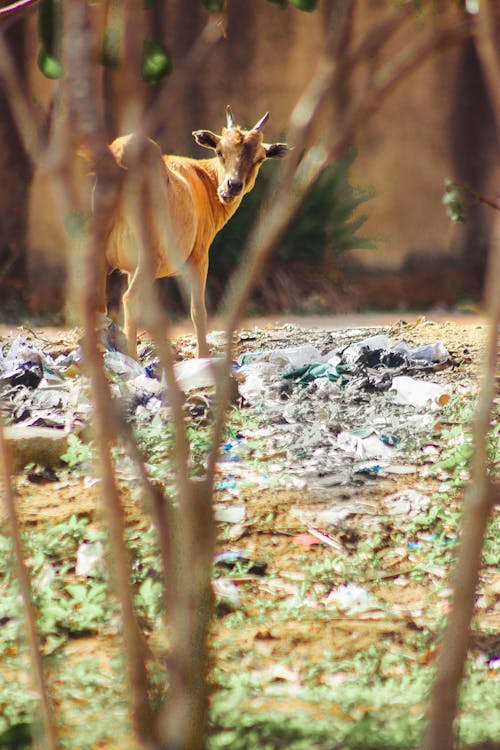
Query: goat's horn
pixel 261 122
pixel 230 117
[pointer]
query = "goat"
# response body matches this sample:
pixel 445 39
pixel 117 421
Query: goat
pixel 189 201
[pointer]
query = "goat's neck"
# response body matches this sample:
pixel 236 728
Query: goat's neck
pixel 222 212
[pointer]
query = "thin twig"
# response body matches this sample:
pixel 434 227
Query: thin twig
pixel 478 197
pixel 50 735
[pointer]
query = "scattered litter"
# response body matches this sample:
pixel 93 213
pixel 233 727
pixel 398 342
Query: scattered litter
pixel 306 540
pixel 231 514
pixel 90 560
pixel 409 503
pixel 227 596
pixel 350 598
pixel 314 536
pixel 333 404
pixel 402 469
pixel 197 373
pixel 363 444
pixel 419 392
pixel 120 366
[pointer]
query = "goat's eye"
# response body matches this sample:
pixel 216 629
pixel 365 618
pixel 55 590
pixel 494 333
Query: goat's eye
pixel 219 154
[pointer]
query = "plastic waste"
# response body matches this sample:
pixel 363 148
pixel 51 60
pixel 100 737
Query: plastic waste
pixel 197 373
pixel 413 392
pixel 295 356
pixel 350 598
pixel 227 596
pixel 120 366
pixel 435 352
pixel 90 559
pixel 140 390
pixel 255 381
pixel 22 365
pixel 308 373
pixel 230 514
pixel 408 503
pixel 364 445
pixel 351 353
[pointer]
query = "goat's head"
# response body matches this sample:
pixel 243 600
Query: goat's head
pixel 240 154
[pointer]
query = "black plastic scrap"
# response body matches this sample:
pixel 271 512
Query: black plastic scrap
pixel 369 369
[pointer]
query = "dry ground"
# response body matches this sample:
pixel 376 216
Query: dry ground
pixel 282 648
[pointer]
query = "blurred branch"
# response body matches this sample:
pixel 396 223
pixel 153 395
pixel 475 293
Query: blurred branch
pixel 49 740
pixel 89 130
pixel 481 494
pixel 189 537
pixel 21 109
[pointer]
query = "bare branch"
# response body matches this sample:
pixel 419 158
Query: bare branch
pixel 481 493
pixel 89 130
pixel 480 497
pixel 50 735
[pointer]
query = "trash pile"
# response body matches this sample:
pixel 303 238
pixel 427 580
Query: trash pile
pixel 332 415
pixel 343 415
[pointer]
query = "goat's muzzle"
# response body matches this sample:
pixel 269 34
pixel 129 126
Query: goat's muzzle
pixel 230 189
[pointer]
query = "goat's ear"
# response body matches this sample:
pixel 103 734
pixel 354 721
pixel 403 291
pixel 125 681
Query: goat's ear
pixel 206 138
pixel 276 150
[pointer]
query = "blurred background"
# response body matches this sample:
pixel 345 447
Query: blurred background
pixel 373 234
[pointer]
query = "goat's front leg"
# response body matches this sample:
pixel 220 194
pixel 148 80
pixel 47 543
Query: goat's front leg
pixel 130 311
pixel 197 277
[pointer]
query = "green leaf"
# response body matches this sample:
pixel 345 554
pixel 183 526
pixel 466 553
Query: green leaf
pixel 307 5
pixel 17 736
pixel 156 62
pixel 49 66
pixel 453 202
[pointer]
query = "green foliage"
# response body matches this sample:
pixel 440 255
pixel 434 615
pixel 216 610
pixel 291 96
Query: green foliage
pixel 50 23
pixel 150 599
pixel 156 61
pixel 307 5
pixel 326 225
pixel 452 200
pixel 78 455
pixel 17 736
pixel 326 222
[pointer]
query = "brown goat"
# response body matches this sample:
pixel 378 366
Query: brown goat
pixel 189 201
